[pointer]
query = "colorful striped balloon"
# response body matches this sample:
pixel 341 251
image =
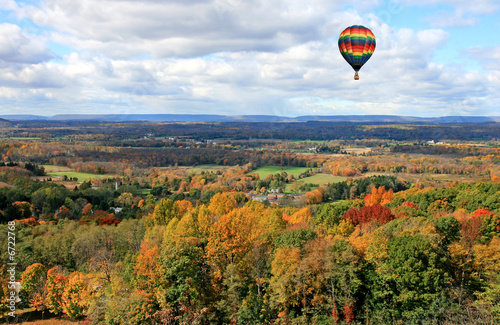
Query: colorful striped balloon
pixel 356 44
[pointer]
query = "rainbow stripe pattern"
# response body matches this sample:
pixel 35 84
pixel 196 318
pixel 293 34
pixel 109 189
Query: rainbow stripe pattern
pixel 357 44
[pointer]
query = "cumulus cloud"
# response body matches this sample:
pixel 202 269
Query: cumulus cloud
pixel 19 47
pixel 122 28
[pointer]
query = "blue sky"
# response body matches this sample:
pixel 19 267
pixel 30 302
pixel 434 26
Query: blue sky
pixel 433 57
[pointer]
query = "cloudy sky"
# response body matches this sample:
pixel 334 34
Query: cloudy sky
pixel 279 57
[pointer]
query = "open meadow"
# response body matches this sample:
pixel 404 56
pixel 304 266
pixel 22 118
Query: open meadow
pixel 59 171
pixel 265 171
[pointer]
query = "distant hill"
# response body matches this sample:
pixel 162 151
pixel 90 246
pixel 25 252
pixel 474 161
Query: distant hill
pixel 5 123
pixel 252 118
pixel 21 117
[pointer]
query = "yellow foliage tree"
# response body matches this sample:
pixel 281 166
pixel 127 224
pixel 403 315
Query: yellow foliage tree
pixel 76 295
pixel 221 204
pixel 302 216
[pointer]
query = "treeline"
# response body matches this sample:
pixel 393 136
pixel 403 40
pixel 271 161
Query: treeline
pixel 149 157
pixel 361 187
pixel 412 257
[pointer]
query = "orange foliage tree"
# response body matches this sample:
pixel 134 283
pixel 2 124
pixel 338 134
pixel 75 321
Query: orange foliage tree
pixel 148 268
pixel 56 283
pixel 379 196
pixel 314 197
pixel 64 213
pixel 87 210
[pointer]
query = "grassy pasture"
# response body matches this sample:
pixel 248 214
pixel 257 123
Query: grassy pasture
pixel 264 171
pixel 322 179
pixel 81 176
pixel 21 138
pixel 60 171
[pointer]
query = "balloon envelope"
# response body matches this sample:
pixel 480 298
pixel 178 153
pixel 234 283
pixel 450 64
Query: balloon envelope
pixel 356 44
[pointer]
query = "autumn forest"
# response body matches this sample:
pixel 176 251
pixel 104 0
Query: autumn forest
pixel 250 223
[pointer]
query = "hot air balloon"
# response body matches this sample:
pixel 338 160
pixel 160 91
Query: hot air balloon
pixel 356 44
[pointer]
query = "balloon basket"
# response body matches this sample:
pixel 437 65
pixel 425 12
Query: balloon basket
pixel 356 77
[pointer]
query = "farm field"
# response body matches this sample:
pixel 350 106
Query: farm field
pixel 263 172
pixel 21 138
pixel 81 176
pixel 322 179
pixel 53 168
pixel 358 151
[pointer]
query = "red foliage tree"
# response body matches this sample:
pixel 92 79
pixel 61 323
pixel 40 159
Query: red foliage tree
pixel 349 312
pixel 367 214
pixel 109 221
pixel 471 230
pixel 335 314
pixel 104 218
pixel 481 212
pixel 410 204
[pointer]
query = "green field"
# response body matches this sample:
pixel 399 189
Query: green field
pixel 21 138
pixel 263 172
pixel 322 179
pixel 307 141
pixel 81 176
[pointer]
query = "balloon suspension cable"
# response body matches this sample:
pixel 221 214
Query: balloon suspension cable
pixel 356 76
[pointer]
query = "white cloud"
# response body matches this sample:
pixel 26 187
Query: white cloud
pixel 488 57
pixel 123 29
pixel 232 57
pixel 19 47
